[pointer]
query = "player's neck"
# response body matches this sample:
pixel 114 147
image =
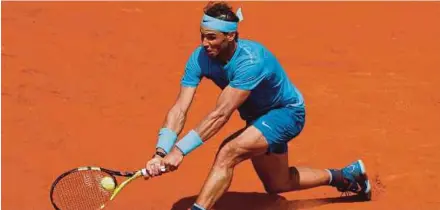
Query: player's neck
pixel 229 52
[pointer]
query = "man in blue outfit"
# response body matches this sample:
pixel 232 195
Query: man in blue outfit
pixel 254 82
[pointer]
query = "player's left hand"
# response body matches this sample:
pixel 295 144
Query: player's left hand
pixel 173 159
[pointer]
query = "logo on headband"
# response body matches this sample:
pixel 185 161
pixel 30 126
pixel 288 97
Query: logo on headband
pixel 221 25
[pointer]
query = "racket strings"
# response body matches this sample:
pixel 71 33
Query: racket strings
pixel 81 190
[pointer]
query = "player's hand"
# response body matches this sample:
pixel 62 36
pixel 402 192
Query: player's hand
pixel 173 159
pixel 153 166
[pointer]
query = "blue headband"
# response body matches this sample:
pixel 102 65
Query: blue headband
pixel 221 25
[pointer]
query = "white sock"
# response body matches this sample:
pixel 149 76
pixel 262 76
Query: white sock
pixel 198 206
pixel 331 177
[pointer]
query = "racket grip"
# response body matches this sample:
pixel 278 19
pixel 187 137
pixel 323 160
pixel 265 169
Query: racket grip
pixel 146 174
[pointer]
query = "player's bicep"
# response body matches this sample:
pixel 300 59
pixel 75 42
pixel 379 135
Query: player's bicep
pixel 230 99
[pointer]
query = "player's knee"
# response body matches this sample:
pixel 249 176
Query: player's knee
pixel 272 190
pixel 228 156
pixel 290 184
pixel 278 188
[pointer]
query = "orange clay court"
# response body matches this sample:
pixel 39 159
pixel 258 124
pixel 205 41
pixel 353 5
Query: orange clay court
pixel 89 83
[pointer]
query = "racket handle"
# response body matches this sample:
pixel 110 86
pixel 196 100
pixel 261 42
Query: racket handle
pixel 146 174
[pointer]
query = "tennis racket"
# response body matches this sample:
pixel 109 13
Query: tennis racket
pixel 81 189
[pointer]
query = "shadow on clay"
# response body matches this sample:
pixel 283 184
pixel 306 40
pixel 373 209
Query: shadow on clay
pixel 263 201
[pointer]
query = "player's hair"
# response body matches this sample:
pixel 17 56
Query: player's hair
pixel 221 10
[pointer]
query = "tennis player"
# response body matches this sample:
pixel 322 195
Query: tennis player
pixel 254 83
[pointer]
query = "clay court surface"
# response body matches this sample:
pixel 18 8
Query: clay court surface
pixel 90 83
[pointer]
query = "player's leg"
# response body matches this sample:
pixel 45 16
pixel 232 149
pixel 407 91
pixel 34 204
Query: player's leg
pixel 248 143
pixel 277 177
pixel 279 127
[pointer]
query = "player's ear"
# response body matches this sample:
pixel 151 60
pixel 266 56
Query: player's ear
pixel 231 36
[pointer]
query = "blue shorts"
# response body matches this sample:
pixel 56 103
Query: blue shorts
pixel 279 126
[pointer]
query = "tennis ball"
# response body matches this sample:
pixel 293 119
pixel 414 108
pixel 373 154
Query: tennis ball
pixel 108 183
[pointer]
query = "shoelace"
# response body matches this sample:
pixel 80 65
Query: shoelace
pixel 349 186
pixel 346 193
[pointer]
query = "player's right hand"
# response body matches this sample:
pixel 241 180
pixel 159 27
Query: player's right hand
pixel 153 166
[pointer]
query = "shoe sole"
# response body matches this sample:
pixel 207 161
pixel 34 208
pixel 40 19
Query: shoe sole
pixel 366 194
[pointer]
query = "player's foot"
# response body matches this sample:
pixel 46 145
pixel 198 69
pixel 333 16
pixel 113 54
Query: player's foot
pixel 354 180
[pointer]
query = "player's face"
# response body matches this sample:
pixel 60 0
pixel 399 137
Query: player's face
pixel 214 42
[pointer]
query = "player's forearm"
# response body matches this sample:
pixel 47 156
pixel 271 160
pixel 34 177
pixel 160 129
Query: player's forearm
pixel 175 120
pixel 228 101
pixel 212 124
pixel 204 131
pixel 172 126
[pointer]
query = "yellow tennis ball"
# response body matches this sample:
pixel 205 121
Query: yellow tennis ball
pixel 108 183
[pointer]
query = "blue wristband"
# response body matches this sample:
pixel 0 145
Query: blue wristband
pixel 167 138
pixel 190 142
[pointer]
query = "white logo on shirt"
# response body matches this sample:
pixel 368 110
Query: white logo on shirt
pixel 265 124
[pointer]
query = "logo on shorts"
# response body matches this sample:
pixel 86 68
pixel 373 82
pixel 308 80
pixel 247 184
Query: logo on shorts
pixel 265 124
